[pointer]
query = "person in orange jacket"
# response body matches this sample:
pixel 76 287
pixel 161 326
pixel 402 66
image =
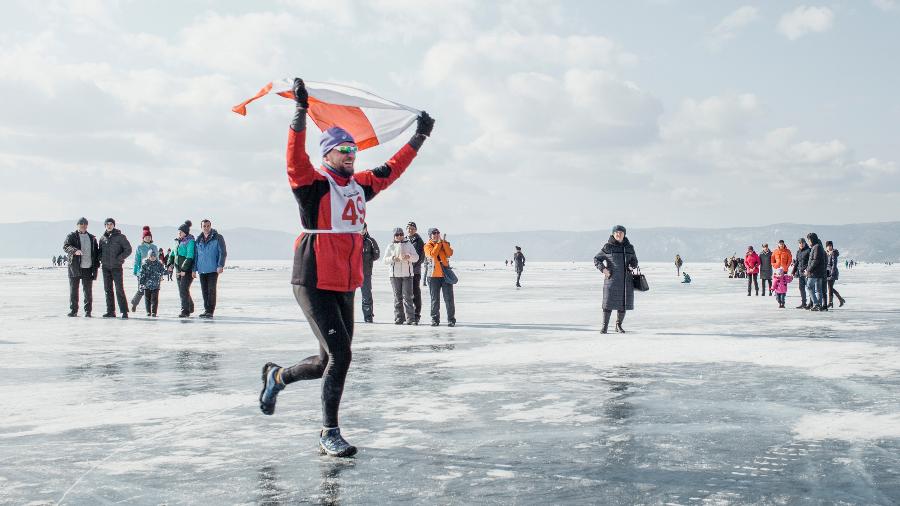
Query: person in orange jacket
pixel 439 251
pixel 782 257
pixel 751 262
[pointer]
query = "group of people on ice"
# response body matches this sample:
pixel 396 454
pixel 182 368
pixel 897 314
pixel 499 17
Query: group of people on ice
pixel 814 265
pixel 189 258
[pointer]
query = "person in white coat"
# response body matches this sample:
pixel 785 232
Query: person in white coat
pixel 401 255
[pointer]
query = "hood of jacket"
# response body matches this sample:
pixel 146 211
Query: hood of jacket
pixel 204 239
pixel 110 233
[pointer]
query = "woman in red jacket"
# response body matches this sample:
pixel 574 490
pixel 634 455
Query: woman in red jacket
pixel 751 263
pixel 328 257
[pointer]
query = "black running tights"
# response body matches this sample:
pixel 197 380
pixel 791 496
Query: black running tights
pixel 330 314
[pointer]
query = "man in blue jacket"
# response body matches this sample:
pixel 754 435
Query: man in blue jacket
pixel 209 262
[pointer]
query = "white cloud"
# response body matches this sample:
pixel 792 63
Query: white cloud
pixel 732 24
pixel 804 19
pixel 885 5
pixel 719 115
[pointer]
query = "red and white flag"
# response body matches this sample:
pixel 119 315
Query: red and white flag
pixel 370 119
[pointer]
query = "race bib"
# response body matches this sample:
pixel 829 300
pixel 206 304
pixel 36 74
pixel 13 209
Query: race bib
pixel 348 207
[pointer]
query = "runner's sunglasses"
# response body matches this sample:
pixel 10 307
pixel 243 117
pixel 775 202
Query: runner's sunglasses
pixel 347 149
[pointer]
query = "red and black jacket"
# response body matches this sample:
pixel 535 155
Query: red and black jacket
pixel 331 261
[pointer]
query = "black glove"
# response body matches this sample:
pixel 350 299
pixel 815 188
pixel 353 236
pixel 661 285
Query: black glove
pixel 301 96
pixel 424 124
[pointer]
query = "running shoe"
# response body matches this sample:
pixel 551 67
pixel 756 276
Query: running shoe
pixel 331 443
pixel 270 389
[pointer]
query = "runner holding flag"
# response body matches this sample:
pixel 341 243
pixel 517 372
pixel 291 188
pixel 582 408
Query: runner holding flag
pixel 328 257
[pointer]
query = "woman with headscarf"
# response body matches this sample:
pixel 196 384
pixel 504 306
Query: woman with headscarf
pixel 616 261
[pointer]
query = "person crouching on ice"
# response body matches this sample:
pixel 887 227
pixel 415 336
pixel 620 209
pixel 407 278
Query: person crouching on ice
pixel 780 285
pixel 327 257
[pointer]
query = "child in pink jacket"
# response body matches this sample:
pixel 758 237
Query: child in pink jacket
pixel 780 285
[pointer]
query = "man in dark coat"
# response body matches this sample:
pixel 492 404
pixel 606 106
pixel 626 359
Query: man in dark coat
pixel 519 261
pixel 616 260
pixel 419 244
pixel 765 268
pixel 370 253
pixel 114 249
pixel 801 260
pixel 84 260
pixel 816 271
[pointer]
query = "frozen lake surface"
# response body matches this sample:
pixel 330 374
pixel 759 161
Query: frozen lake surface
pixel 712 397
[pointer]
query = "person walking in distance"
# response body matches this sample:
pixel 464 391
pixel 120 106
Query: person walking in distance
pixel 801 261
pixel 439 251
pixel 181 259
pixel 419 245
pixel 751 263
pixel 616 260
pixel 149 278
pixel 209 263
pixel 765 268
pixel 678 264
pixel 400 256
pixel 84 260
pixel 327 260
pixel 832 275
pixel 141 253
pixel 519 261
pixel 370 253
pixel 114 249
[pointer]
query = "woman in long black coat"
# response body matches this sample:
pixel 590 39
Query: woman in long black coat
pixel 616 260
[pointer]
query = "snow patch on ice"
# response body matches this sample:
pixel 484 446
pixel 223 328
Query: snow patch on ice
pixel 555 413
pixel 848 426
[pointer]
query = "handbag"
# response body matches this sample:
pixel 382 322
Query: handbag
pixel 639 281
pixel 449 276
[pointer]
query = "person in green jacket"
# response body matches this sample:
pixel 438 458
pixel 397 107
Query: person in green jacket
pixel 141 253
pixel 181 259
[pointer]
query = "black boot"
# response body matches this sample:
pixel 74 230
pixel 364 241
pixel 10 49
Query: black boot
pixel 620 317
pixel 841 302
pixel 606 315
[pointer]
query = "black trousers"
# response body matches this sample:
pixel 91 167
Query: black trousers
pixel 832 292
pixel 366 291
pixel 87 286
pixel 184 292
pixel 518 276
pixel 436 286
pixel 112 278
pixel 764 281
pixel 330 315
pixel 151 300
pixel 208 284
pixel 752 280
pixel 417 295
pixel 802 281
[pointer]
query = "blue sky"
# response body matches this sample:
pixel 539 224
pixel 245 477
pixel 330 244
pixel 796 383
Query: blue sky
pixel 551 115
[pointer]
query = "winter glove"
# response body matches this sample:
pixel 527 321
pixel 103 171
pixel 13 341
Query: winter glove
pixel 424 124
pixel 301 96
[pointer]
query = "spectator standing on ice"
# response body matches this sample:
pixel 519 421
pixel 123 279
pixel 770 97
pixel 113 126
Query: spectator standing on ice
pixel 678 263
pixel 519 262
pixel 370 253
pixel 84 253
pixel 114 249
pixel 149 278
pixel 801 260
pixel 616 260
pixel 815 272
pixel 780 285
pixel 400 256
pixel 751 263
pixel 782 257
pixel 439 252
pixel 181 259
pixel 419 244
pixel 832 274
pixel 327 260
pixel 765 268
pixel 209 262
pixel 141 253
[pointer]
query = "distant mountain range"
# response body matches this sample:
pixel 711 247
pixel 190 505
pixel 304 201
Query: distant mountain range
pixel 868 242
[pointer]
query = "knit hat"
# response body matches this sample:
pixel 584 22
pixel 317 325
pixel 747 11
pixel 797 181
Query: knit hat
pixel 332 137
pixel 186 227
pixel 618 228
pixel 146 232
pixel 398 230
pixel 412 224
pixel 82 221
pixel 432 230
pixel 109 220
pixel 151 253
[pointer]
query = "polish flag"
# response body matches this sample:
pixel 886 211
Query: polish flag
pixel 370 119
